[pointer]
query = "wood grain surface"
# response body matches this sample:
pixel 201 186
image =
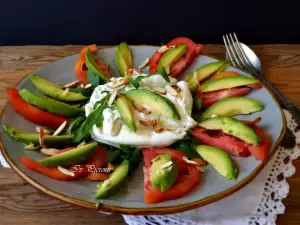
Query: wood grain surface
pixel 22 204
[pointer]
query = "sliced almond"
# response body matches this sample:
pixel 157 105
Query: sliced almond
pixel 81 144
pixel 65 92
pixel 201 169
pixel 73 84
pixel 60 129
pixel 145 63
pixel 191 162
pixel 87 86
pixel 176 88
pixel 65 171
pixel 171 90
pixel 163 48
pixel 116 128
pixel 48 151
pixel 148 122
pixel 31 147
pixel 140 108
pixel 41 137
pixel 166 165
pixel 46 132
pixel 81 85
pixel 160 90
pixel 158 128
pixel 110 167
pixel 112 97
pixel 121 82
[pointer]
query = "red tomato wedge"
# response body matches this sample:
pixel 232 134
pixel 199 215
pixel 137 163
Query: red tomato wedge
pixel 234 145
pixel 81 170
pixel 211 97
pixel 178 67
pixel 81 69
pixel 187 179
pixel 33 113
pixel 232 74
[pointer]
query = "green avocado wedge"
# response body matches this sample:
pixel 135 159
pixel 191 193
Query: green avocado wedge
pixel 171 56
pixel 232 127
pixel 219 160
pixel 49 104
pixel 227 82
pixel 126 112
pixel 195 77
pixel 33 138
pixel 71 157
pixel 54 91
pixel 111 186
pixel 232 106
pixel 156 102
pixel 92 66
pixel 123 58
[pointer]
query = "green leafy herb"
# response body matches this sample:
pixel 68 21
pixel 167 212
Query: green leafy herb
pixel 93 79
pixel 93 118
pixel 75 124
pixel 162 71
pixel 187 146
pixel 85 92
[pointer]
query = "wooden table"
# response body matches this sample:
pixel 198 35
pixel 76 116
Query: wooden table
pixel 21 203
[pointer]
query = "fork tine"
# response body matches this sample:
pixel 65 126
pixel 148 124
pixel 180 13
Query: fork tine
pixel 228 51
pixel 230 45
pixel 238 52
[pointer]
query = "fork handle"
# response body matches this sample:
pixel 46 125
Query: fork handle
pixel 286 103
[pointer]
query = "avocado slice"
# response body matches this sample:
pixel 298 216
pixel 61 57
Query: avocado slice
pixel 232 127
pixel 163 172
pixel 219 160
pixel 33 138
pixel 125 111
pixel 227 82
pixel 194 78
pixel 92 66
pixel 123 58
pixel 232 106
pixel 156 102
pixel 171 56
pixel 71 157
pixel 49 104
pixel 54 90
pixel 111 185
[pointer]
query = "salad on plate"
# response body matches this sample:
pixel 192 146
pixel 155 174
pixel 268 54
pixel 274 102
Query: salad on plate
pixel 101 127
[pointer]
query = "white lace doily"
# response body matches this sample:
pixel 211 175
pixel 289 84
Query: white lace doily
pixel 257 203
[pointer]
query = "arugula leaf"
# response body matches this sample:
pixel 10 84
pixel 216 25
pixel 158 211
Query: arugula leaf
pixel 74 124
pixel 187 146
pixel 93 79
pixel 134 83
pixel 93 118
pixel 162 71
pixel 85 92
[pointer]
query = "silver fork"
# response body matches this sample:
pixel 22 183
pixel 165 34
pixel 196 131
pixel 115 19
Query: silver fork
pixel 240 60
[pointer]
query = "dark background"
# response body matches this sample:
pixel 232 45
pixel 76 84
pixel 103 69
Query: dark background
pixel 109 22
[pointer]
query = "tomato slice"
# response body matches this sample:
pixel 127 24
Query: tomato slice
pixel 178 67
pixel 187 179
pixel 232 74
pixel 234 145
pixel 81 69
pixel 33 113
pixel 211 97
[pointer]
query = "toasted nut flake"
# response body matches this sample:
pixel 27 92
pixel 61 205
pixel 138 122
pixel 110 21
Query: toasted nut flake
pixel 73 84
pixel 60 129
pixel 201 169
pixel 105 183
pixel 160 90
pixel 65 92
pixel 81 144
pixel 97 176
pixel 110 167
pixel 148 122
pixel 171 90
pixel 158 128
pixel 81 85
pixel 41 137
pixel 87 86
pixel 163 49
pixel 112 97
pixel 191 162
pixel 140 108
pixel 137 72
pixel 65 171
pixel 121 82
pixel 48 151
pixel 168 164
pixel 46 132
pixel 145 63
pixel 175 87
pixel 116 128
pixel 31 147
